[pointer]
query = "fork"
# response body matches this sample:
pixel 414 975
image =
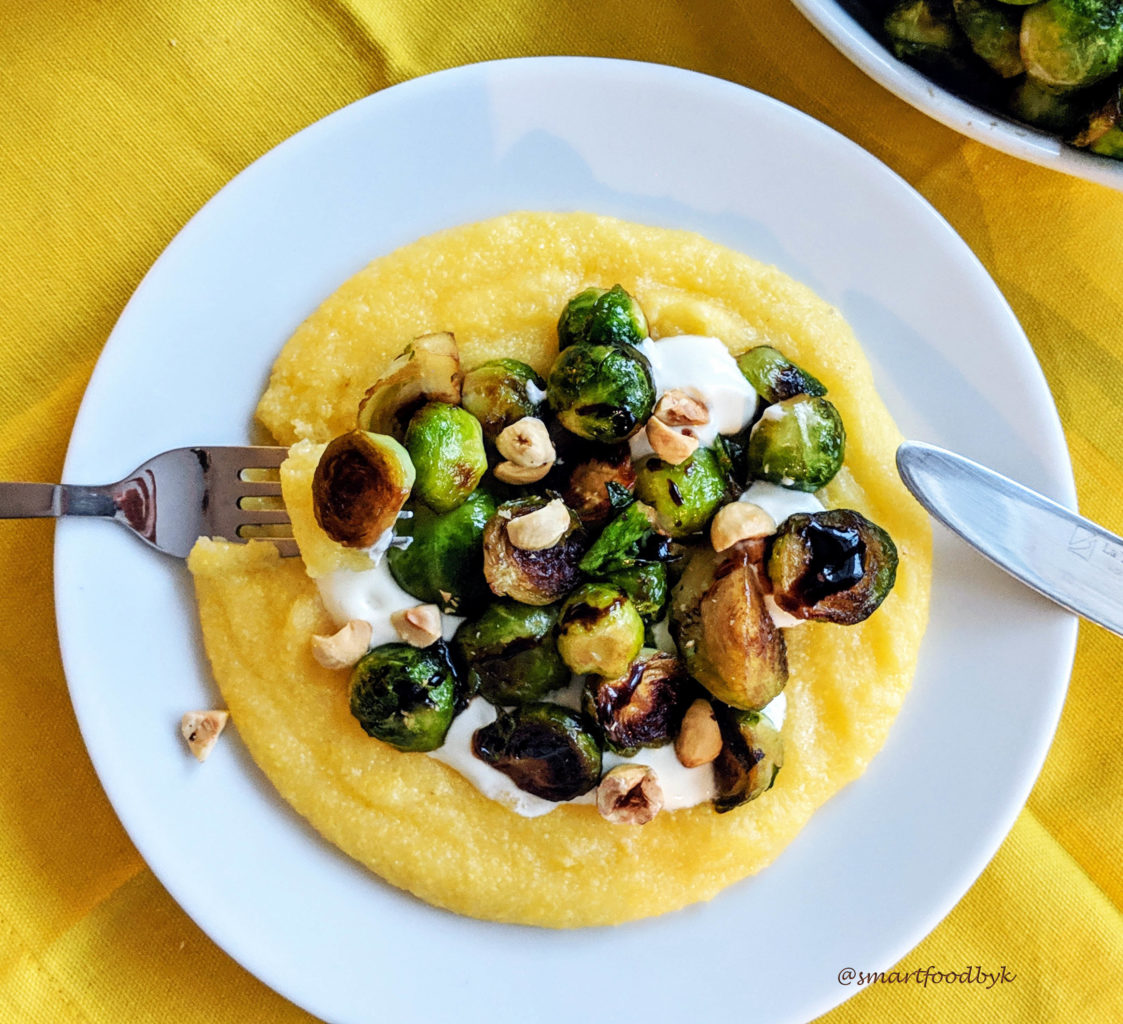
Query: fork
pixel 197 492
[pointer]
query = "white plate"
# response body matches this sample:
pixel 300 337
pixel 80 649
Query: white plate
pixel 852 36
pixel 881 863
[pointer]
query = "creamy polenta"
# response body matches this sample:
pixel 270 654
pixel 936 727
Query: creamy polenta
pixel 499 286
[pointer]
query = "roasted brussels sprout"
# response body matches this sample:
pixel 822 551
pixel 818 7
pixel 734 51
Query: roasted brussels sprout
pixel 992 28
pixel 724 631
pixel 1103 131
pixel 573 324
pixel 428 370
pixel 405 696
pixel 360 485
pixel 599 630
pixel 775 377
pixel 644 706
pixel 625 542
pixel 585 472
pixel 834 566
pixel 511 653
pixel 446 445
pixel 443 564
pixel 544 748
pixel 752 753
pixel 685 496
pixel 533 575
pixel 645 583
pixel 1072 43
pixel 501 392
pixel 601 392
pixel 924 33
pixel 1046 108
pixel 616 319
pixel 799 443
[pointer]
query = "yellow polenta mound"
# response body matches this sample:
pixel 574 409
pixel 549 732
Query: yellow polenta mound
pixel 499 287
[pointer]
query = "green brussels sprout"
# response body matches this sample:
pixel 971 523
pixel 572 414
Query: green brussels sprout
pixel 573 324
pixel 601 392
pixel 724 631
pixel 360 485
pixel 925 33
pixel 752 753
pixel 615 319
pixel 544 748
pixel 645 583
pixel 685 496
pixel 798 443
pixel 511 653
pixel 1103 131
pixel 775 377
pixel 501 392
pixel 833 566
pixel 447 447
pixel 405 696
pixel 1045 108
pixel 599 630
pixel 1072 43
pixel 625 542
pixel 644 706
pixel 533 575
pixel 992 29
pixel 443 563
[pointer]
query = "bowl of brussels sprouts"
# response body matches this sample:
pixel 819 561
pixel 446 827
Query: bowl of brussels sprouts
pixel 1042 81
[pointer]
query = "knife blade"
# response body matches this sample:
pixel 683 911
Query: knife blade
pixel 1063 556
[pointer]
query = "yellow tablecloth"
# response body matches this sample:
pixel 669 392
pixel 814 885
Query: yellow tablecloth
pixel 122 117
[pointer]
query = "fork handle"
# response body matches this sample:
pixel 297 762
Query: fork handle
pixel 49 501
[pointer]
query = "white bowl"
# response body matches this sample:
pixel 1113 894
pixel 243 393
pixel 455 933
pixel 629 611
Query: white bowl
pixel 989 127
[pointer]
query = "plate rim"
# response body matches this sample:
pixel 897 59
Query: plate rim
pixel 1064 484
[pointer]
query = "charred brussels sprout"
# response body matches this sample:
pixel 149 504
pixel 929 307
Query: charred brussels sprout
pixel 1046 109
pixel 752 753
pixel 833 566
pixel 685 496
pixel 544 748
pixel 501 392
pixel 775 377
pixel 599 630
pixel 428 370
pixel 1103 131
pixel 533 575
pixel 573 324
pixel 992 30
pixel 511 653
pixel 443 564
pixel 404 696
pixel 616 319
pixel 724 631
pixel 924 33
pixel 1072 43
pixel 799 443
pixel 643 707
pixel 587 471
pixel 601 392
pixel 446 445
pixel 360 485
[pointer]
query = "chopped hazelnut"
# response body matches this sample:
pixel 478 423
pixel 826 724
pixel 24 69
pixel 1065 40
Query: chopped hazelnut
pixel 201 729
pixel 669 444
pixel 512 473
pixel 629 794
pixel 526 442
pixel 699 739
pixel 540 529
pixel 419 626
pixel 678 409
pixel 737 521
pixel 343 648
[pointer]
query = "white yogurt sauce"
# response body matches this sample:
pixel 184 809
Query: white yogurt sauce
pixel 704 369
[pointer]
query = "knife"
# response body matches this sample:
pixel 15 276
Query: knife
pixel 1063 556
